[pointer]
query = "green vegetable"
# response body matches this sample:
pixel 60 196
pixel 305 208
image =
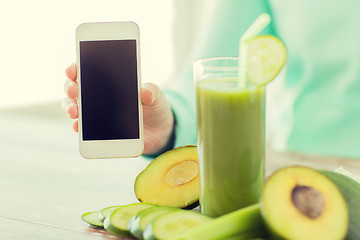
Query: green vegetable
pixel 168 225
pixel 117 221
pixel 107 211
pixel 244 223
pixel 351 192
pixel 92 218
pixel 138 223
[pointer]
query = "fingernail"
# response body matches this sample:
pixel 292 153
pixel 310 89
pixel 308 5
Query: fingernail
pixel 147 86
pixel 154 92
pixel 153 97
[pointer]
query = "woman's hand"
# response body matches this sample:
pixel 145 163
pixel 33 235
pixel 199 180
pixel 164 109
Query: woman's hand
pixel 158 117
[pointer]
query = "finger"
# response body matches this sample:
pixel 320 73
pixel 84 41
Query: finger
pixel 71 89
pixel 73 111
pixel 149 93
pixel 76 126
pixel 70 108
pixel 71 72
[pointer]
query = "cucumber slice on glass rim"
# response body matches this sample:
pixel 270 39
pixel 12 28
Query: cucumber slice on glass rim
pixel 266 57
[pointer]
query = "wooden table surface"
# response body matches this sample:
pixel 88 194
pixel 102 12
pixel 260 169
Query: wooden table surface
pixel 46 185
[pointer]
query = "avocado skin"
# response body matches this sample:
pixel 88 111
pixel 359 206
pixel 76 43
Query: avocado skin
pixel 350 189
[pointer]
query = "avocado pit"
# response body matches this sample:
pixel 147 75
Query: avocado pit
pixel 308 201
pixel 182 173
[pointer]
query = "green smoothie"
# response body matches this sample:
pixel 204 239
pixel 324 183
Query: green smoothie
pixel 231 144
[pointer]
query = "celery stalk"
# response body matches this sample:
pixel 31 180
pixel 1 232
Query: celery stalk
pixel 240 224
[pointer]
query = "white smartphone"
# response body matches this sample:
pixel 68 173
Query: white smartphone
pixel 108 75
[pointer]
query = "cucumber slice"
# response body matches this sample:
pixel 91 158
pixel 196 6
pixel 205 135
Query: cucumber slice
pixel 168 225
pixel 266 57
pixel 244 223
pixel 92 218
pixel 117 221
pixel 107 211
pixel 139 222
pixel 350 189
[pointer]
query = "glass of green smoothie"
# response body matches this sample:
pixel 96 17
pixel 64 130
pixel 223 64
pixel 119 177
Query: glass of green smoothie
pixel 230 136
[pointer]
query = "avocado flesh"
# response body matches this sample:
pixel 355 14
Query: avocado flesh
pixel 172 179
pixel 301 203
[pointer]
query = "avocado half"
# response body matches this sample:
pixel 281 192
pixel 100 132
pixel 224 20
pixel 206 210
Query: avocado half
pixel 301 203
pixel 172 179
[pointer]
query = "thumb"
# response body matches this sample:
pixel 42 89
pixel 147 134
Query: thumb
pixel 149 93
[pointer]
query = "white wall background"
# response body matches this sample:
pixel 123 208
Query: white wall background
pixel 37 43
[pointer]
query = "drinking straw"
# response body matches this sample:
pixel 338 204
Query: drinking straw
pixel 255 28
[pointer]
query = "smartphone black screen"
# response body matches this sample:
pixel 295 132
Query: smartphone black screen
pixel 109 90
